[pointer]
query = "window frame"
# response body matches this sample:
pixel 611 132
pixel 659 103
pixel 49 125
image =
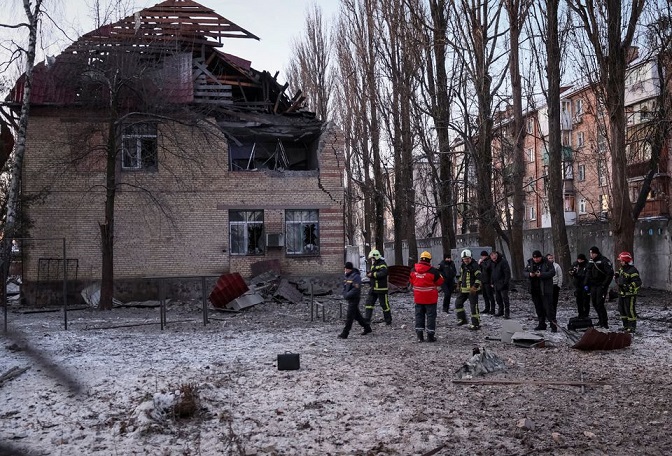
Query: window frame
pixel 250 220
pixel 297 221
pixel 144 136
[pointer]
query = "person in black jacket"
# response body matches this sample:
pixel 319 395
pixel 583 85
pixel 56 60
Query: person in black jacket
pixel 599 274
pixel 352 292
pixel 488 292
pixel 540 272
pixel 578 273
pixel 500 279
pixel 449 272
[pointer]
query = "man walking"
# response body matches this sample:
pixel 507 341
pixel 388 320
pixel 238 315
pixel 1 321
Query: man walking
pixel 352 292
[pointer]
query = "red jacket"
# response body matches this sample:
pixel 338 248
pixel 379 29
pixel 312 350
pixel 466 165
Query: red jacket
pixel 425 280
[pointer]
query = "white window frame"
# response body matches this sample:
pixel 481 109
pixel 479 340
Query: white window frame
pixel 580 139
pixel 578 107
pixel 581 172
pixel 302 232
pixel 246 232
pixel 582 206
pixel 530 154
pixel 139 142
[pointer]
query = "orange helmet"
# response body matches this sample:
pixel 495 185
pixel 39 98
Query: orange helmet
pixel 625 257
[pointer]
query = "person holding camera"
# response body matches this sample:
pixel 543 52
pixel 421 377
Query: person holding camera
pixel 578 274
pixel 540 272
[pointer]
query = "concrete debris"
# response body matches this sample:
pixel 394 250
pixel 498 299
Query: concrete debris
pixel 289 292
pixel 316 286
pixel 527 340
pixel 480 364
pixel 526 424
pixel 244 301
pixel 91 295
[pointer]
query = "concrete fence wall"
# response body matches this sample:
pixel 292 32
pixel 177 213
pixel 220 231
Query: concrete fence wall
pixel 652 253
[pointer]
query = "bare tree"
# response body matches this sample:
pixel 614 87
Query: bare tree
pixel 610 28
pixel 33 13
pixel 309 66
pixel 517 11
pixel 477 43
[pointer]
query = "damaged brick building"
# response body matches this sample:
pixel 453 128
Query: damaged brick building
pixel 214 166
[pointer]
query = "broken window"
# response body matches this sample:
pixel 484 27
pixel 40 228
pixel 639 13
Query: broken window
pixel 246 229
pixel 302 232
pixel 139 145
pixel 273 154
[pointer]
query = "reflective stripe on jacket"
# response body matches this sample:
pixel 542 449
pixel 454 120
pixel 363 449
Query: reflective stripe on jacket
pixel 425 280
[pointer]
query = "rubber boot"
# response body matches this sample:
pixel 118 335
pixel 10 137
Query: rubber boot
pixel 430 337
pixel 421 336
pixel 388 317
pixel 343 335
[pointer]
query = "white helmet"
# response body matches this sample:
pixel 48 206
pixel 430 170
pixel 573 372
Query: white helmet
pixel 466 253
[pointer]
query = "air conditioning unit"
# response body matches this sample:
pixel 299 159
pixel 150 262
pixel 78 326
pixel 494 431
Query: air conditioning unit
pixel 275 240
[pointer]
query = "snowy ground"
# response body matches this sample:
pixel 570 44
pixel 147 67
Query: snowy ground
pixel 380 394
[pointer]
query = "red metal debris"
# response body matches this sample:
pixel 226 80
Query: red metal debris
pixel 398 275
pixel 227 288
pixel 597 340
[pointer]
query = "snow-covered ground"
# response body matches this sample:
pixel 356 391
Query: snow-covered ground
pixel 379 394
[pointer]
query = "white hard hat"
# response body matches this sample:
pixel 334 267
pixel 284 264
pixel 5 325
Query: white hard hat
pixel 466 253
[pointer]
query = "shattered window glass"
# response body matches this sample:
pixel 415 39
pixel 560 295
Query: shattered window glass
pixel 246 229
pixel 139 146
pixel 302 228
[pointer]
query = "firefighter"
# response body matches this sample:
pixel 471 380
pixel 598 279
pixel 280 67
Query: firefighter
pixel 468 286
pixel 378 287
pixel 629 282
pixel 425 279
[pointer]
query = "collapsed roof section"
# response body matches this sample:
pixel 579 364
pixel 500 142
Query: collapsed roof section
pixel 176 47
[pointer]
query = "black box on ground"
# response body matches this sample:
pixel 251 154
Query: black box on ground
pixel 579 323
pixel 288 361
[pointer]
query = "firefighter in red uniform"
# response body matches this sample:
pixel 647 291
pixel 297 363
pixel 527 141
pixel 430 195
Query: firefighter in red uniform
pixel 425 280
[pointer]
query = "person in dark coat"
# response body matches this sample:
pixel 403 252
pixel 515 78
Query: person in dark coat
pixel 629 282
pixel 488 292
pixel 449 272
pixel 352 292
pixel 599 274
pixel 500 280
pixel 578 274
pixel 540 272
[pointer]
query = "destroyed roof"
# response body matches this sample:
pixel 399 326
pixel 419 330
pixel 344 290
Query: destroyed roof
pixel 162 26
pixel 182 41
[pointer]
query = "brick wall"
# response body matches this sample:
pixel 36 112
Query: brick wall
pixel 181 227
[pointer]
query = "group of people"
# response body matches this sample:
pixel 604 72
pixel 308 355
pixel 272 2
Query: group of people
pixel 491 277
pixel 592 278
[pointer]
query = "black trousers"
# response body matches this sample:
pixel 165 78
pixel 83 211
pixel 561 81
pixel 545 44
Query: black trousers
pixel 598 298
pixel 582 302
pixel 473 307
pixel 543 306
pixel 627 310
pixel 503 303
pixel 425 313
pixel 353 315
pixel 447 294
pixel 489 298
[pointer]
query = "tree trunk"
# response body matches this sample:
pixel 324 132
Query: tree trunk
pixel 556 190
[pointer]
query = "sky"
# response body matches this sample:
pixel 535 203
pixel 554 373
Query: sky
pixel 275 22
